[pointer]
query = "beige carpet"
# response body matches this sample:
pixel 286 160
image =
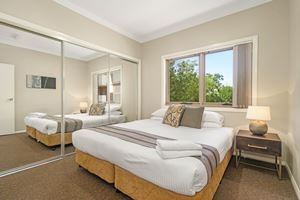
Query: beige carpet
pixel 20 149
pixel 64 180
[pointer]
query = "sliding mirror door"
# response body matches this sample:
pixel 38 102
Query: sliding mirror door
pixel 30 98
pixel 123 90
pixel 85 92
pixel 99 89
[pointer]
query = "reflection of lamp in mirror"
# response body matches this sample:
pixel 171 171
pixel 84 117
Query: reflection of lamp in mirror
pixel 83 107
pixel 258 116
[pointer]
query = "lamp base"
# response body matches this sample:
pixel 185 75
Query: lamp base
pixel 83 110
pixel 258 127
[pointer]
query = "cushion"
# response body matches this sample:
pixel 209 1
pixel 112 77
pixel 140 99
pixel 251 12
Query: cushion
pixel 97 109
pixel 192 117
pixel 174 114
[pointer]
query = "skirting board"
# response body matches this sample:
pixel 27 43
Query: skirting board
pixel 21 131
pixel 16 132
pixel 269 160
pixel 294 183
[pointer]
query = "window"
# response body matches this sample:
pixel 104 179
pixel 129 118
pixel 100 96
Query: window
pixel 220 77
pixel 184 79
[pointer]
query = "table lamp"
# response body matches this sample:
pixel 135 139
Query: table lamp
pixel 258 116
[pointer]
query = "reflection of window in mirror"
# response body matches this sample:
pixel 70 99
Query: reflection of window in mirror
pixel 115 87
pixel 113 84
pixel 102 87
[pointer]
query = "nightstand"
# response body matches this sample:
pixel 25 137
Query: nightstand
pixel 269 144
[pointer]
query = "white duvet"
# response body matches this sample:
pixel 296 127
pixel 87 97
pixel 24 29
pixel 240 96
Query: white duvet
pixel 181 175
pixel 49 127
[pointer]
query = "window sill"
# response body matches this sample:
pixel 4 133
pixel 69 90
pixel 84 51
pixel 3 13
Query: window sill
pixel 224 109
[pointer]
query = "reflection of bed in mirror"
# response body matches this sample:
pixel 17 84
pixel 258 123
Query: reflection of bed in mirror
pixel 46 129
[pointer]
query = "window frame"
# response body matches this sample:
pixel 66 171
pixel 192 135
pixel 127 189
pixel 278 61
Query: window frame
pixel 201 52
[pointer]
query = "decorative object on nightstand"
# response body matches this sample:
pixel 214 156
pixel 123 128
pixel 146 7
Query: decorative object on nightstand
pixel 83 107
pixel 269 144
pixel 258 116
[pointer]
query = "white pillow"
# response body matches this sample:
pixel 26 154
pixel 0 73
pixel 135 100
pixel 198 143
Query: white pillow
pixel 159 113
pixel 209 116
pixel 116 113
pixel 210 125
pixel 157 118
pixel 113 107
pixel 36 114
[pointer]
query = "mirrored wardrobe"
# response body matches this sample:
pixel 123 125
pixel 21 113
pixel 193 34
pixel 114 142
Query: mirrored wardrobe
pixel 52 88
pixel 95 78
pixel 30 76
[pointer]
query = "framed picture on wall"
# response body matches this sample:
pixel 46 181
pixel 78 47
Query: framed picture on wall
pixel 41 82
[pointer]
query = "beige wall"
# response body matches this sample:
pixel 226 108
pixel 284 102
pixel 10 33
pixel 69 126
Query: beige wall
pixel 43 100
pixel 293 157
pixel 76 84
pixel 51 15
pixel 269 22
pixel 278 86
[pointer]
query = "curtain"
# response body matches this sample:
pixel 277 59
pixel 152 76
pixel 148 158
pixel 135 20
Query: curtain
pixel 242 75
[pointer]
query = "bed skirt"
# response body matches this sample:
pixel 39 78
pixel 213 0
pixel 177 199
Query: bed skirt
pixel 31 131
pixel 140 189
pixel 53 139
pixel 101 168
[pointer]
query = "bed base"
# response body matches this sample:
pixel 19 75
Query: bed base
pixel 31 131
pixel 140 189
pixel 48 140
pixel 103 169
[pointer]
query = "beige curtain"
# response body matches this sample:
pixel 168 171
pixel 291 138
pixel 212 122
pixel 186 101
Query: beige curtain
pixel 242 75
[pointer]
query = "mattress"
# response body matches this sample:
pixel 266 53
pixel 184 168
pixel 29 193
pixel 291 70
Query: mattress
pixel 181 175
pixel 47 126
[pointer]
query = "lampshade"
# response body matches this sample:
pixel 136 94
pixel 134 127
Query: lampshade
pixel 83 105
pixel 259 113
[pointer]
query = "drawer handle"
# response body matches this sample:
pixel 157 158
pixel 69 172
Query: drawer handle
pixel 257 147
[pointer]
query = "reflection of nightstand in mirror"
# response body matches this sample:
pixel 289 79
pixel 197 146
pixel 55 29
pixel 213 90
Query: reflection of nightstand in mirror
pixel 268 144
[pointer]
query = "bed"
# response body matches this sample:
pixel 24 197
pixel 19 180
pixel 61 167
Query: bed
pixel 47 130
pixel 141 173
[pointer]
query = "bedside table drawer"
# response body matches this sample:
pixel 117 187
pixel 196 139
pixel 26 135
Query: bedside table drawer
pixel 259 146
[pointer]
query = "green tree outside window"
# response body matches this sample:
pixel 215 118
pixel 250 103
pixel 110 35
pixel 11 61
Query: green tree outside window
pixel 184 84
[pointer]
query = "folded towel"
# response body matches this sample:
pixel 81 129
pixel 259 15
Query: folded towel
pixel 170 145
pixel 177 154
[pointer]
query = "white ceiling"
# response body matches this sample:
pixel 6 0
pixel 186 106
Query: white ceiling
pixel 23 39
pixel 144 20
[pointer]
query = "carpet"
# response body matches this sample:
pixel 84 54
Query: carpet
pixel 19 149
pixel 63 180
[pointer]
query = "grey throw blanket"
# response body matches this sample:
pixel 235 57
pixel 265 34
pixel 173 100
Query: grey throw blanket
pixel 210 156
pixel 71 125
